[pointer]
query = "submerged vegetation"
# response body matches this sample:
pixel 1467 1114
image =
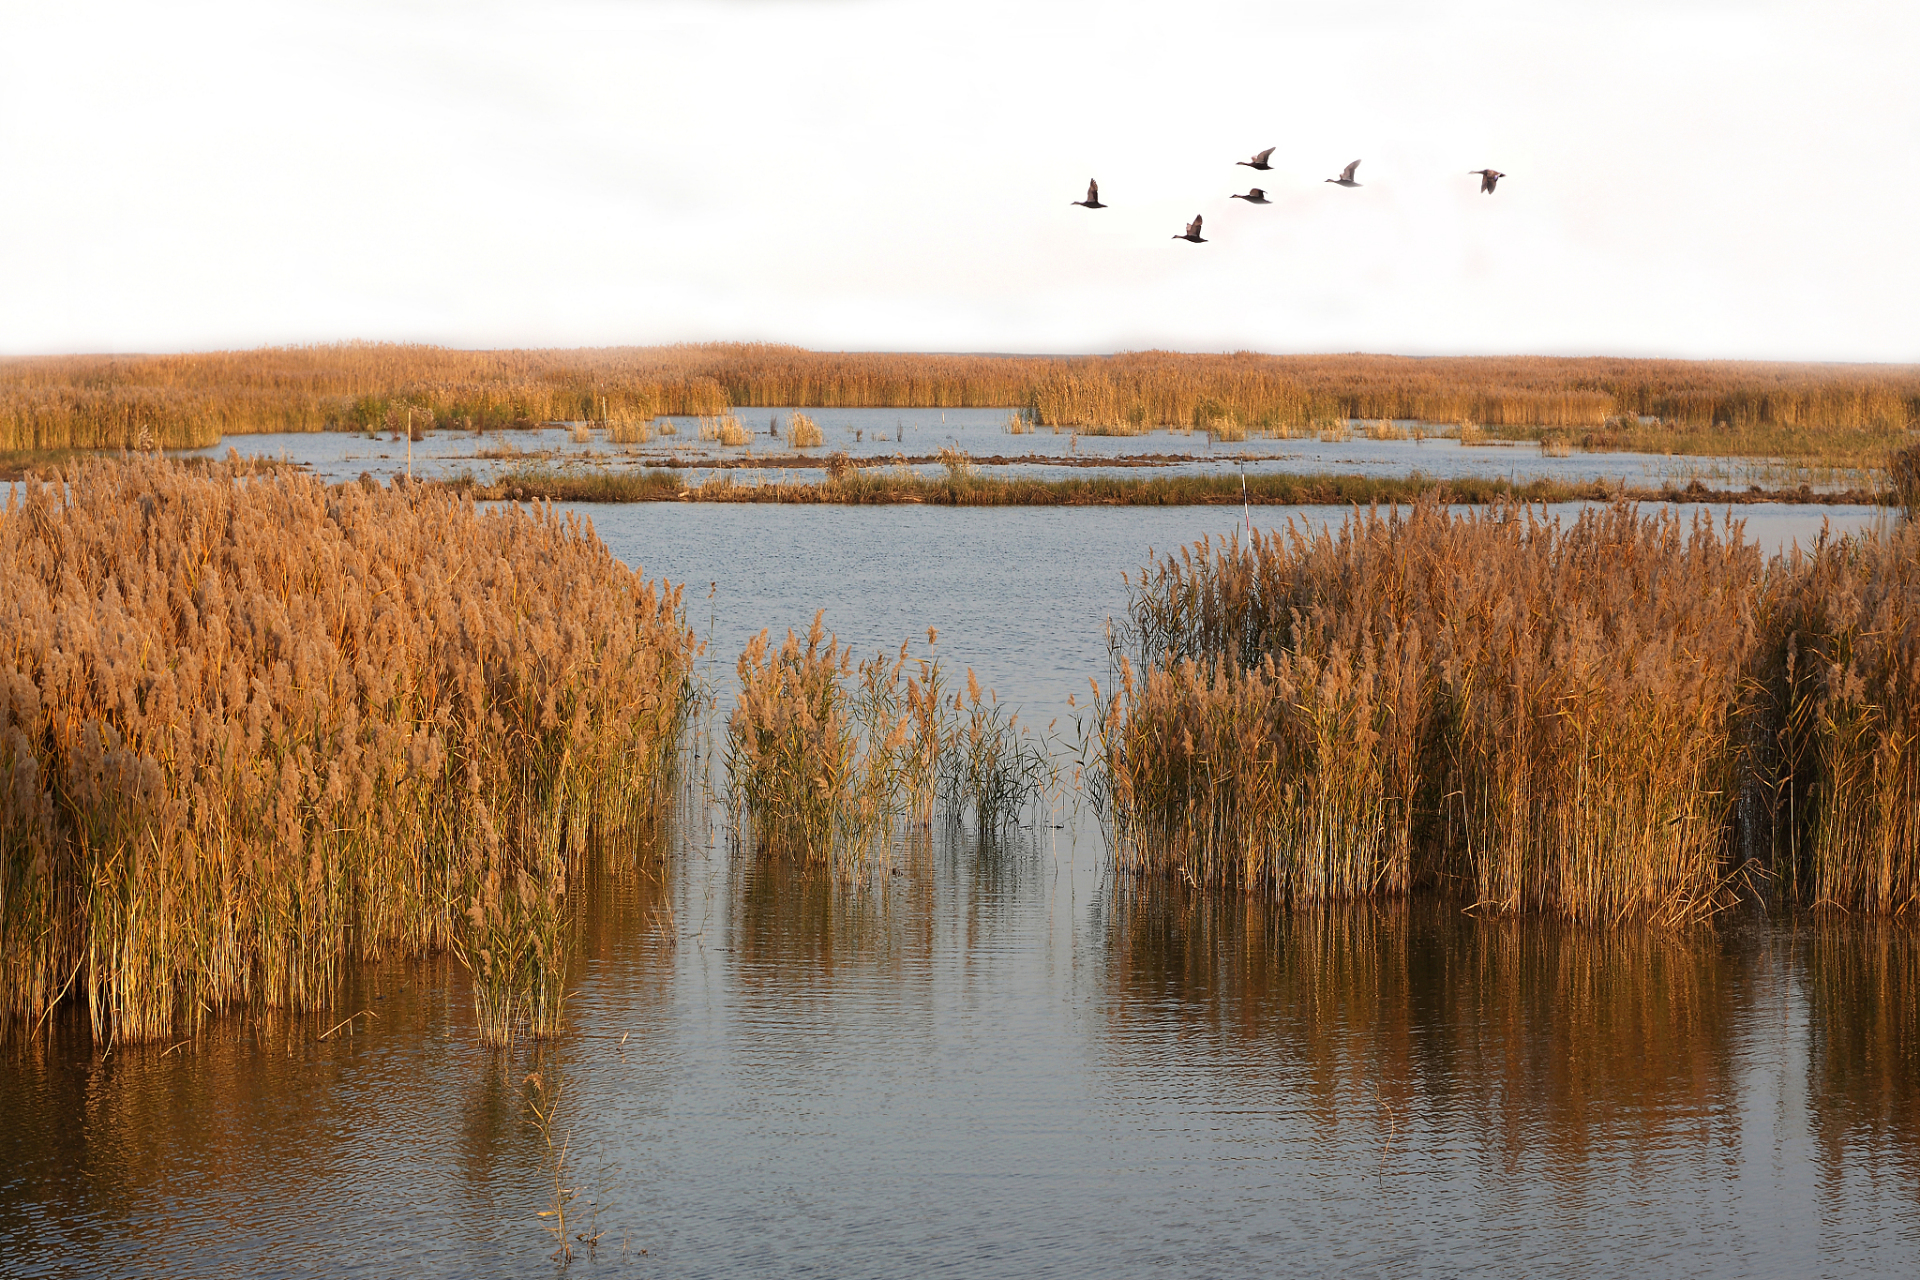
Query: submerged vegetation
pixel 1849 414
pixel 254 727
pixel 1620 717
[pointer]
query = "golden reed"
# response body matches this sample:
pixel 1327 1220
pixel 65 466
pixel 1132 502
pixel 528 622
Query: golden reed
pixel 1550 717
pixel 251 726
pixel 1845 412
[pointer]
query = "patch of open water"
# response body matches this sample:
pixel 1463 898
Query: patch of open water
pixel 1007 1062
pixel 981 433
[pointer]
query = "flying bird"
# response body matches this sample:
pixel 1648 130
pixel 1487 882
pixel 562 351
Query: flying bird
pixel 1487 178
pixel 1346 176
pixel 1193 231
pixel 1254 196
pixel 1259 161
pixel 1093 197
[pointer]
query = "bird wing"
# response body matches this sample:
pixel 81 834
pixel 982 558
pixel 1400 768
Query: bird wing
pixel 1346 174
pixel 1093 191
pixel 1195 228
pixel 1256 193
pixel 1262 157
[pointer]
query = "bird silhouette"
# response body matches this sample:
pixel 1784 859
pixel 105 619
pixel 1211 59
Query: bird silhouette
pixel 1487 178
pixel 1193 231
pixel 1346 176
pixel 1093 197
pixel 1254 196
pixel 1259 161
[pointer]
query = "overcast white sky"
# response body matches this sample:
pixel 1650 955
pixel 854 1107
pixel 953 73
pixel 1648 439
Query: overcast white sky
pixel 1686 178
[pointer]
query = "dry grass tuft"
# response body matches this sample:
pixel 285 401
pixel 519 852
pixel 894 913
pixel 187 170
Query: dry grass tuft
pixel 629 431
pixel 254 727
pixel 803 432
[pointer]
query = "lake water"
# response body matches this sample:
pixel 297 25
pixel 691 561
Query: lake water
pixel 982 433
pixel 1007 1062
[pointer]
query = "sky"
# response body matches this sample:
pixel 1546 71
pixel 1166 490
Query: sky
pixel 1695 178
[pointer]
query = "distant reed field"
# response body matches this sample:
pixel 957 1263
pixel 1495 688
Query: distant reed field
pixel 254 727
pixel 1845 414
pixel 1614 718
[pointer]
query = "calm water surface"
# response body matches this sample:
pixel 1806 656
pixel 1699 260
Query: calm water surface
pixel 1007 1063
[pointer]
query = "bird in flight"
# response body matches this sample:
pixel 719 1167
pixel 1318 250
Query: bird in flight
pixel 1259 161
pixel 1093 197
pixel 1487 178
pixel 1254 196
pixel 1346 176
pixel 1193 231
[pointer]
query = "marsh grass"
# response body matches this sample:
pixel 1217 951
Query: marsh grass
pixel 255 727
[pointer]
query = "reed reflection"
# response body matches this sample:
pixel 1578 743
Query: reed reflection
pixel 1545 1042
pixel 1863 1062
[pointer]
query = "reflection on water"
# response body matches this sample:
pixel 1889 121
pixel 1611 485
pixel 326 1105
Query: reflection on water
pixel 1002 1063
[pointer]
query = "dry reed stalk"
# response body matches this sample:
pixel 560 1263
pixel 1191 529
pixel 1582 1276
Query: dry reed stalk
pixel 731 432
pixel 580 433
pixel 803 432
pixel 1543 713
pixel 254 727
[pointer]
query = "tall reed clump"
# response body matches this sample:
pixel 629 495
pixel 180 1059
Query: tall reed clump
pixel 803 432
pixel 1544 714
pixel 817 757
pixel 251 727
pixel 1842 668
pixel 826 761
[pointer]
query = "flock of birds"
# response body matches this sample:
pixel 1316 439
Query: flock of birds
pixel 1488 179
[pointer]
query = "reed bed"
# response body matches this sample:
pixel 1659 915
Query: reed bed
pixel 1847 413
pixel 1620 717
pixel 1842 677
pixel 1438 697
pixel 255 727
pixel 827 762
